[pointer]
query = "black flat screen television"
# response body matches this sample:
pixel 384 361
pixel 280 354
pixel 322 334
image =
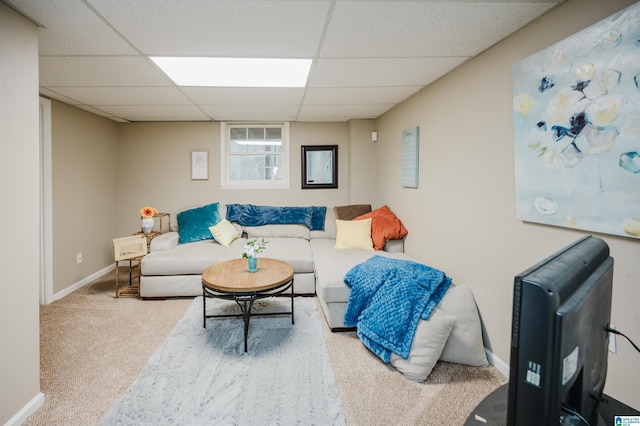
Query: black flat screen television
pixel 559 337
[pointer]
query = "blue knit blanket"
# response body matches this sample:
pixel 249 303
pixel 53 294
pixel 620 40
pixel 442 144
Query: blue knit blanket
pixel 388 298
pixel 251 215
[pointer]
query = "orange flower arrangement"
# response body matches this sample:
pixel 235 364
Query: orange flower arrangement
pixel 148 212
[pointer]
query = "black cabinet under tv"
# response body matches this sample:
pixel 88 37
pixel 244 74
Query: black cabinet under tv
pixel 492 411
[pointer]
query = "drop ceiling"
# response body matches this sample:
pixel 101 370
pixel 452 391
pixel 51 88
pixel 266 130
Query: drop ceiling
pixel 368 55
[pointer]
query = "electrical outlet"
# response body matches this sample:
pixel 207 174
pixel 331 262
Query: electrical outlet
pixel 612 342
pixel 79 258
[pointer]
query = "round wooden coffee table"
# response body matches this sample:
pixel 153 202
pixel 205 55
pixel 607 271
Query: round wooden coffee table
pixel 231 280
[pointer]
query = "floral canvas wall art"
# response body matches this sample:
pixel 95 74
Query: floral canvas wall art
pixel 577 129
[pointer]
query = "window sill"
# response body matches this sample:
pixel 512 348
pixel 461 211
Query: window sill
pixel 254 186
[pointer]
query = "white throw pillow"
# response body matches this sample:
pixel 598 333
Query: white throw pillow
pixel 430 338
pixel 465 345
pixel 354 234
pixel 224 232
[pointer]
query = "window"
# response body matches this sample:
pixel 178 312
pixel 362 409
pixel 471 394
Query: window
pixel 254 155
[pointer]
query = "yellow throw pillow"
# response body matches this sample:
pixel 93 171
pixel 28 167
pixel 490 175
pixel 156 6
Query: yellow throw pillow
pixel 224 232
pixel 354 234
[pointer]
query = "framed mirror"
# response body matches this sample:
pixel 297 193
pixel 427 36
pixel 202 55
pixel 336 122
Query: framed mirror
pixel 319 166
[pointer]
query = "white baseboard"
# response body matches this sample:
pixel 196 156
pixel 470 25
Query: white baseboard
pixel 499 364
pixel 83 282
pixel 26 411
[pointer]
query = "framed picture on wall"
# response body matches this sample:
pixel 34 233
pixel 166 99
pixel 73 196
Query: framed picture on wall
pixel 410 157
pixel 576 125
pixel 319 166
pixel 199 165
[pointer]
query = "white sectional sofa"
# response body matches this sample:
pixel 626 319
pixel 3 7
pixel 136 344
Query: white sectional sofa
pixel 172 269
pixel 452 333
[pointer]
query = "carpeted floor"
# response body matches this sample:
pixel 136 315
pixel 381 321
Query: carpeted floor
pixel 93 347
pixel 203 376
pixel 374 393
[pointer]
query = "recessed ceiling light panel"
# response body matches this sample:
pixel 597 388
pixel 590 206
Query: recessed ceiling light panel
pixel 235 72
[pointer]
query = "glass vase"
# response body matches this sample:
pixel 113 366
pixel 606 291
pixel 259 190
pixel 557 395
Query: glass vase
pixel 253 264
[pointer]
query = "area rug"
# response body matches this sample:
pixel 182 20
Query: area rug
pixel 203 376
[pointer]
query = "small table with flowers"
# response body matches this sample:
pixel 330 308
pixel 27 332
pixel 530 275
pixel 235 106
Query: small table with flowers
pixel 135 260
pixel 231 280
pixel 150 235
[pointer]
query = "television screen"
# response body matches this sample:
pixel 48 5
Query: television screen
pixel 559 337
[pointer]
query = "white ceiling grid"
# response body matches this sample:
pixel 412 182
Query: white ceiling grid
pixel 368 55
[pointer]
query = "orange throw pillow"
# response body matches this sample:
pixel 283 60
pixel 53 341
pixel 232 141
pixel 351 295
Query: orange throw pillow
pixel 385 226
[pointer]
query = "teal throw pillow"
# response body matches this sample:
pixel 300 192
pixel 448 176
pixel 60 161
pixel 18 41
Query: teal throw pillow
pixel 193 224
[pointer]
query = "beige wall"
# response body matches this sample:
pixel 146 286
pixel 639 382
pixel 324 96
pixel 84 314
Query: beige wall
pixel 86 173
pixel 363 172
pixel 462 220
pixel 154 169
pixel 19 216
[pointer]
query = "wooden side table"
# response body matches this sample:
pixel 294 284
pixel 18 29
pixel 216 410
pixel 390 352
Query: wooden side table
pixel 131 249
pixel 151 235
pixel 130 290
pixel 160 216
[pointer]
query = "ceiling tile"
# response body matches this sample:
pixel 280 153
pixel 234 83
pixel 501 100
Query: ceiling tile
pixel 247 28
pixel 359 95
pixel 100 71
pixel 341 112
pixel 381 72
pixel 422 28
pixel 243 95
pixel 157 113
pixel 124 95
pixel 250 112
pixel 72 29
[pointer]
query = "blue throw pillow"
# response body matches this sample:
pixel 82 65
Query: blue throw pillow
pixel 193 224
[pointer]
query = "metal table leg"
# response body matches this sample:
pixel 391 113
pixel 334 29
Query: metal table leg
pixel 204 309
pixel 245 303
pixel 246 316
